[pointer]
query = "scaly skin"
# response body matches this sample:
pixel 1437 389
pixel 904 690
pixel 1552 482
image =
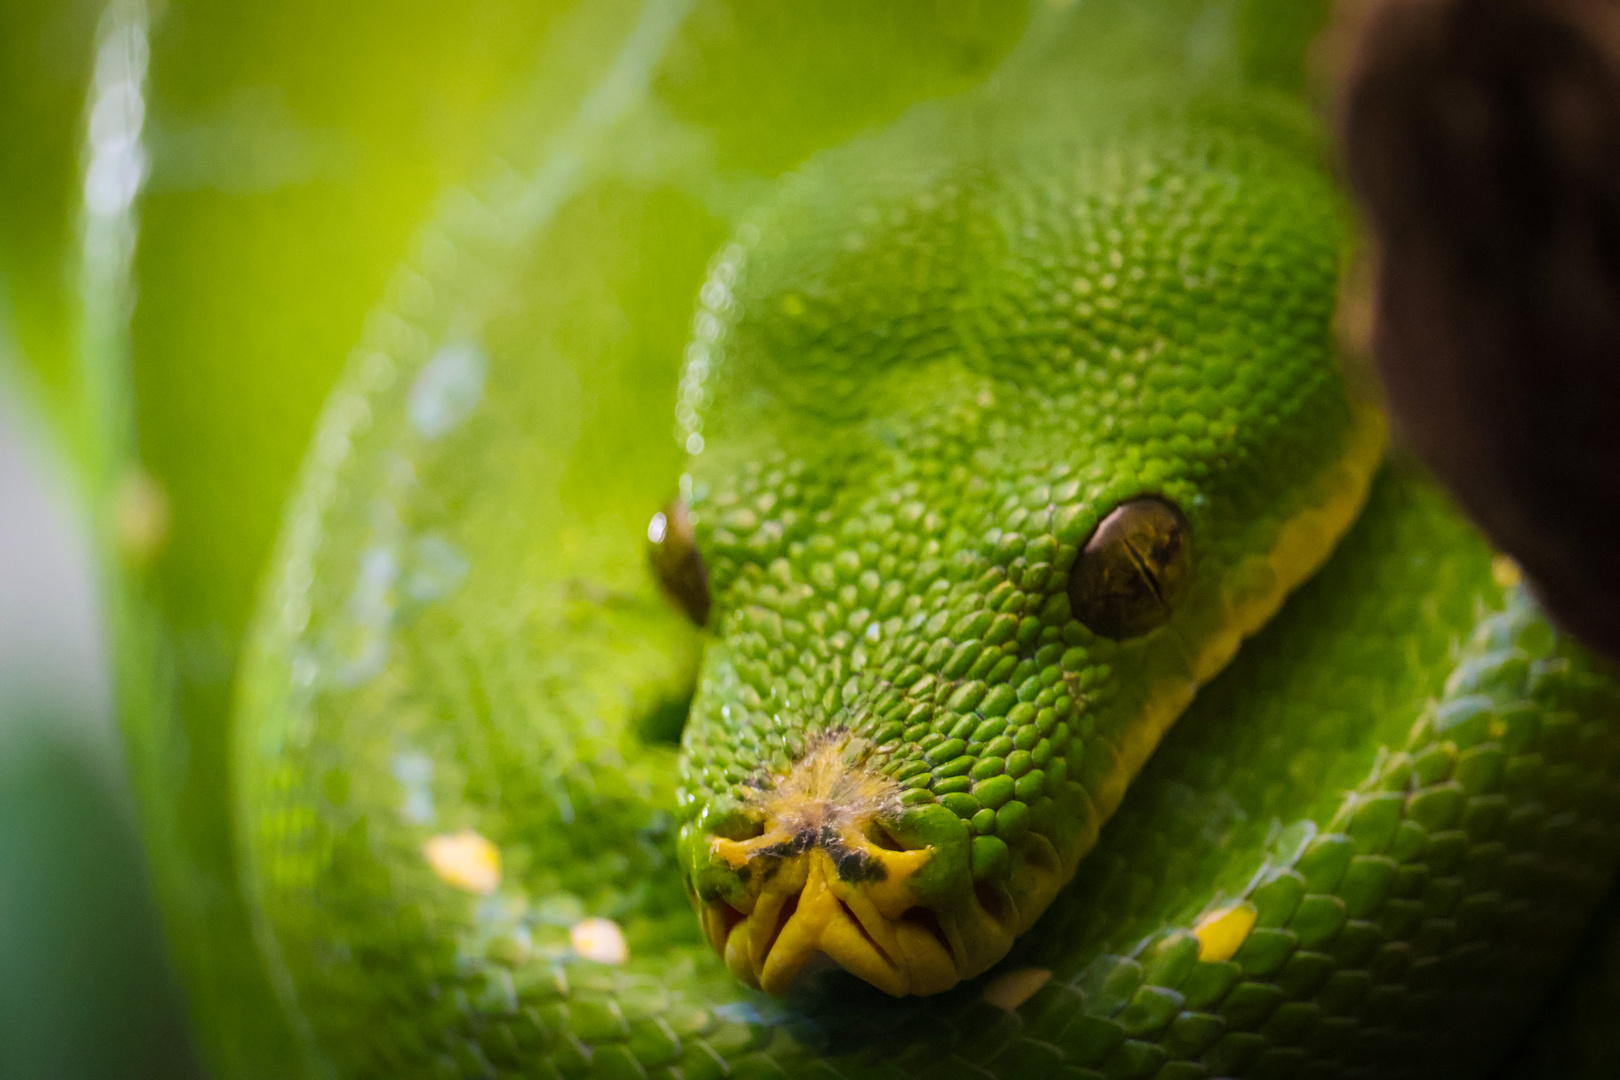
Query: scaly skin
pixel 921 396
pixel 919 379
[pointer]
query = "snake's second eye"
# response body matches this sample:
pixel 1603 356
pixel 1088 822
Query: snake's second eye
pixel 1134 570
pixel 672 550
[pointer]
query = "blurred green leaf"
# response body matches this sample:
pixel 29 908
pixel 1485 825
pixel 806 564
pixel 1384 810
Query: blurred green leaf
pixel 83 992
pixel 45 57
pixel 298 152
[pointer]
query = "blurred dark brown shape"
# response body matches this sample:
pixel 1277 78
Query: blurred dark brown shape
pixel 1483 138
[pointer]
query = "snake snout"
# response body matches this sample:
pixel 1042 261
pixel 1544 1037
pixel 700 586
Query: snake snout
pixel 829 896
pixel 823 875
pixel 832 869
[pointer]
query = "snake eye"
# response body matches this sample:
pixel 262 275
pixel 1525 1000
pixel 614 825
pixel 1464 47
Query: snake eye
pixel 672 550
pixel 1133 571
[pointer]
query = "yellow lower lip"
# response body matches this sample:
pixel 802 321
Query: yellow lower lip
pixel 806 909
pixel 817 884
pixel 826 880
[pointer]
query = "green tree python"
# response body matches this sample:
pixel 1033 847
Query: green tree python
pixel 1078 692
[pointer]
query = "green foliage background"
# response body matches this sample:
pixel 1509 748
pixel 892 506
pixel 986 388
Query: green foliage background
pixel 298 151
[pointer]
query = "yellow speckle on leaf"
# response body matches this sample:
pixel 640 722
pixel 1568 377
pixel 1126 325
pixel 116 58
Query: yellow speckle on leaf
pixel 1221 933
pixel 1505 572
pixel 600 940
pixel 465 860
pixel 792 305
pixel 140 514
pixel 1016 987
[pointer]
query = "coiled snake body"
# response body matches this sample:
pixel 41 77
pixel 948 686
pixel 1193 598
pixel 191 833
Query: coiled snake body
pixel 1008 430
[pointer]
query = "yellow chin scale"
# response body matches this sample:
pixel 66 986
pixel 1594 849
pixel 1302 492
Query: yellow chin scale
pixel 813 899
pixel 825 880
pixel 806 908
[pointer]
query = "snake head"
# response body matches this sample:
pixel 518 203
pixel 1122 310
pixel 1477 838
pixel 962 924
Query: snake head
pixel 987 474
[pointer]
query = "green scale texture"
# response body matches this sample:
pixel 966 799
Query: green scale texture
pixel 1435 878
pixel 1407 772
pixel 925 397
